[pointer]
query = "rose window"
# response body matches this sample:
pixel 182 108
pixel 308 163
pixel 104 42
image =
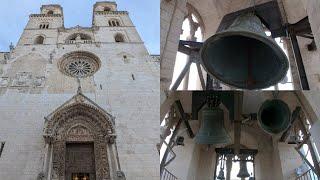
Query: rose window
pixel 79 64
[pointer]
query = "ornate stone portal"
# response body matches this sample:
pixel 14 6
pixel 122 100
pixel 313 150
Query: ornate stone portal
pixel 79 123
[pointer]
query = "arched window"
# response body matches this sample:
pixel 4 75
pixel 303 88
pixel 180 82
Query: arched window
pixel 50 12
pixel 106 9
pixel 119 38
pixel 114 22
pixel 39 40
pixel 192 30
pixel 44 25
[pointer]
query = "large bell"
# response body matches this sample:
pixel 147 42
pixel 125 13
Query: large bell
pixel 274 116
pixel 243 172
pixel 243 56
pixel 212 130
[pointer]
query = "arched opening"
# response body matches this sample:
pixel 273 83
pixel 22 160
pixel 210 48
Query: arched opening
pixel 77 131
pixel 50 12
pixel 44 25
pixel 39 40
pixel 106 9
pixel 114 22
pixel 192 30
pixel 119 38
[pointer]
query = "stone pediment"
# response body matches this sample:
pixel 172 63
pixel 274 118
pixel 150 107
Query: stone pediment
pixel 79 98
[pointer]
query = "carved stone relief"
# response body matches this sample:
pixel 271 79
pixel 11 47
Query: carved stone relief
pixel 39 81
pixel 4 81
pixel 22 79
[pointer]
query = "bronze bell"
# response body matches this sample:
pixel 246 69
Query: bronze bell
pixel 243 56
pixel 274 116
pixel 243 172
pixel 221 174
pixel 212 130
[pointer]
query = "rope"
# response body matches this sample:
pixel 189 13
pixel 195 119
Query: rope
pixel 253 2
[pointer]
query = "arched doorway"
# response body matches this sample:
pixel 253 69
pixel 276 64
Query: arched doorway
pixel 80 138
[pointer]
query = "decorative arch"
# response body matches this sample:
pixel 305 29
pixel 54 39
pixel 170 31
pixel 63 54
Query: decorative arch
pixel 39 40
pixel 81 121
pixel 80 113
pixel 119 38
pixel 193 11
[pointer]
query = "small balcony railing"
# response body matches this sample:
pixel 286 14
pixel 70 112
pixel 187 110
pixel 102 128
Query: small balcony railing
pixel 309 175
pixel 79 41
pixel 166 175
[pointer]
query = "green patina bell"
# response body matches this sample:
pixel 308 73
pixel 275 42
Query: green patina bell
pixel 243 172
pixel 243 56
pixel 274 116
pixel 212 130
pixel 221 174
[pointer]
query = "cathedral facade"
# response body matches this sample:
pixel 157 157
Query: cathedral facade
pixel 80 102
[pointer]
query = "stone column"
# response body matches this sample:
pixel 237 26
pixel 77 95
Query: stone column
pixel 50 163
pixel 173 13
pixel 293 65
pixel 229 166
pixel 313 10
pixel 47 161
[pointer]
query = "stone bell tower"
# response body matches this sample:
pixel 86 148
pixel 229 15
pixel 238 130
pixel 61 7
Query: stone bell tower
pixel 116 25
pixel 43 28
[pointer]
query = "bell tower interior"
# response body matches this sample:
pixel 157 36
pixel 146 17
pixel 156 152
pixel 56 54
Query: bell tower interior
pixel 287 24
pixel 233 135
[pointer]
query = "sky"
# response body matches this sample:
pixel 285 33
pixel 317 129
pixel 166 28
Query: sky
pixel 14 15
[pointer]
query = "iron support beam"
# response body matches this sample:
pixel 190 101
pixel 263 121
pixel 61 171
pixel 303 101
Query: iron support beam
pixel 164 158
pixel 299 61
pixel 294 116
pixel 179 108
pixel 306 161
pixel 181 76
pixel 203 84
